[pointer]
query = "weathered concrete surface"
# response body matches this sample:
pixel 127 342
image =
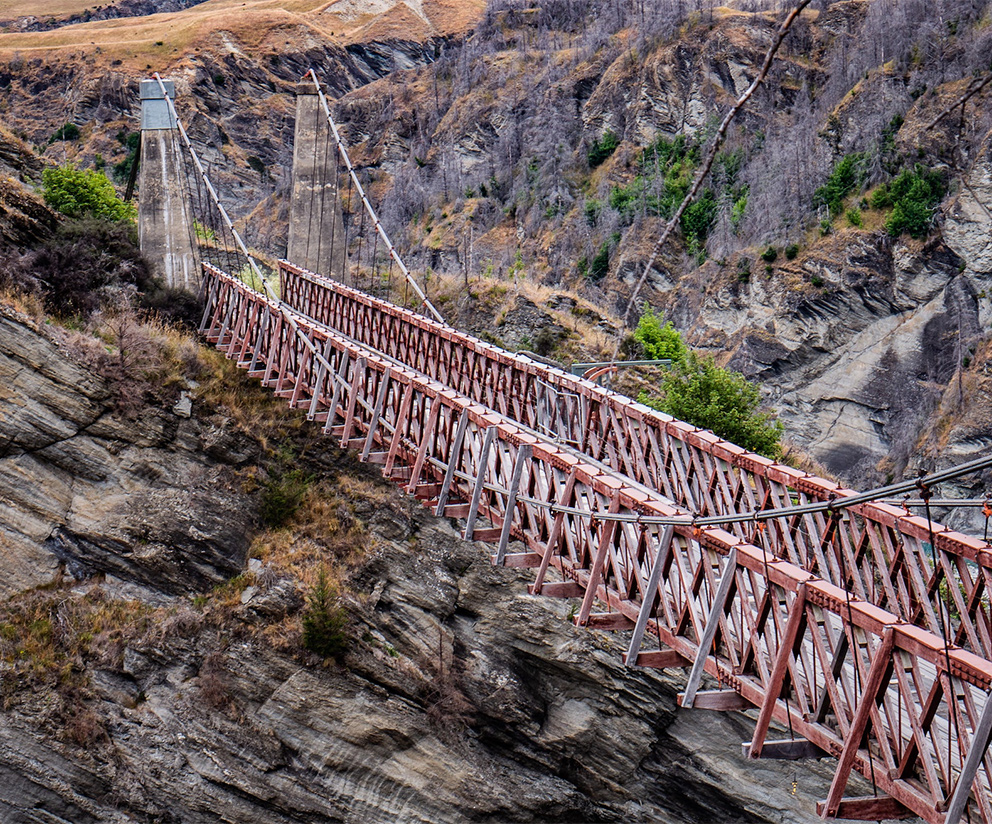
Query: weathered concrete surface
pixel 165 224
pixel 316 228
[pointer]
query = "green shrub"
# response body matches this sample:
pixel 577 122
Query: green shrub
pixel 67 131
pixel 914 195
pixel 592 210
pixel 84 193
pixel 792 251
pixel 699 392
pixel 854 217
pixel 659 342
pixel 849 174
pixel 770 255
pixel 325 621
pixel 880 198
pixel 282 495
pixel 666 169
pixel 744 270
pixel 599 268
pixel 602 148
pixel 698 219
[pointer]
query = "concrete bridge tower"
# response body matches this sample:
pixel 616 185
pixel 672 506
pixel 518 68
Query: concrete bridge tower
pixel 165 224
pixel 316 228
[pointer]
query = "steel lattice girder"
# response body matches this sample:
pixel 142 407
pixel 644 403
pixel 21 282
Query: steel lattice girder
pixel 878 550
pixel 852 679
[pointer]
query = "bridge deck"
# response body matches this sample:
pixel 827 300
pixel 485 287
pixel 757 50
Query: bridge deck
pixel 878 551
pixel 823 621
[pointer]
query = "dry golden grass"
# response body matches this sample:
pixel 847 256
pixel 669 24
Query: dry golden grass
pixel 323 533
pixel 161 40
pixel 588 341
pixel 10 9
pixel 23 303
pixel 48 634
pixel 251 407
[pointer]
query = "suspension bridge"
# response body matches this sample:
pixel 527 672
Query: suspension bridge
pixel 851 628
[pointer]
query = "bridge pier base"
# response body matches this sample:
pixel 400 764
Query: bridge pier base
pixel 164 221
pixel 316 228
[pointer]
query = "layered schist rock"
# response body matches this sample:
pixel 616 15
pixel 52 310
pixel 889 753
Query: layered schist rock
pixel 459 697
pixel 84 488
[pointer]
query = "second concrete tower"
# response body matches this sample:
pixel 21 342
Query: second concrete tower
pixel 316 228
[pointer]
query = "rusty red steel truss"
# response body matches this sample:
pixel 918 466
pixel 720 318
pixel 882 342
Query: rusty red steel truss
pixel 879 551
pixel 866 683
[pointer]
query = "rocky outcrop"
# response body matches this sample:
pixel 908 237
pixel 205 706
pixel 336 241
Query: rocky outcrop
pixel 459 696
pixel 852 342
pixel 84 487
pixel 968 218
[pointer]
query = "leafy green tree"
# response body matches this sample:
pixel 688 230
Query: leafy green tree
pixel 849 174
pixel 699 392
pixel 83 193
pixel 325 622
pixel 914 195
pixel 659 341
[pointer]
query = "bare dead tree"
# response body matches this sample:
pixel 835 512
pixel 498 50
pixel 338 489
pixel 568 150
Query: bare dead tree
pixel 704 170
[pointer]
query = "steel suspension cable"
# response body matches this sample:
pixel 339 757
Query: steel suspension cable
pixel 336 210
pixel 256 271
pixel 425 303
pixel 872 496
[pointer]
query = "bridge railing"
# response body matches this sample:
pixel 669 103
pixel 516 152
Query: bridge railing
pixel 882 553
pixel 889 699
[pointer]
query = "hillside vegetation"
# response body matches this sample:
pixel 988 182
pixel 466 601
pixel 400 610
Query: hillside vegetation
pixel 525 159
pixel 836 251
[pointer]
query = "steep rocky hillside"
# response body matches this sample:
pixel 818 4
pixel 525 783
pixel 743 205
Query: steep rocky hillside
pixel 236 65
pixel 137 688
pixel 552 144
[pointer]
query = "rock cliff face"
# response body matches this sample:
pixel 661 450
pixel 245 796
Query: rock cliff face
pixel 856 338
pixel 140 497
pixel 459 696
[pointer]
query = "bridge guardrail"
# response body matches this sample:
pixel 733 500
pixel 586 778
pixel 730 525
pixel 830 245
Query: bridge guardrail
pixel 887 698
pixel 876 549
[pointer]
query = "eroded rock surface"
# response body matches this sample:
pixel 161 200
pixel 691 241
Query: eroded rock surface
pixel 84 487
pixel 459 696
